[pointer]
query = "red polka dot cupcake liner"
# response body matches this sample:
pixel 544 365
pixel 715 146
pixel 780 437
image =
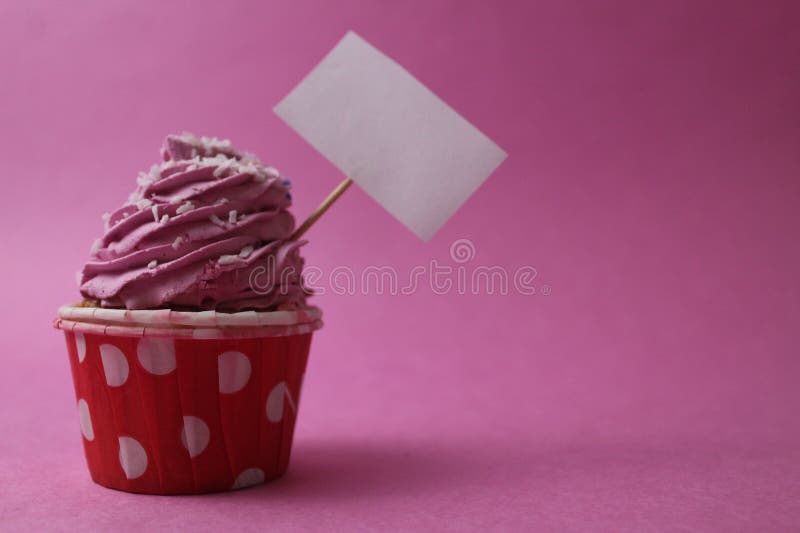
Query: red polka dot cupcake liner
pixel 173 402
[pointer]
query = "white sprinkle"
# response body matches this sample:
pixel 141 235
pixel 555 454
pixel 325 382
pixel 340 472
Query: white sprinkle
pixel 272 172
pixel 216 220
pixel 155 172
pixel 232 216
pixel 143 179
pixel 178 242
pixel 152 264
pixel 248 168
pixel 184 208
pixel 155 212
pixel 106 220
pixel 194 152
pixel 96 245
pixel 228 259
pixel 191 167
pixel 221 201
pixel 246 251
pixel 222 168
pixel 144 203
pixel 211 142
pixel 165 218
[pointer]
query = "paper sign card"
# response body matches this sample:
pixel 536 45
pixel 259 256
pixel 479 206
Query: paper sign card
pixel 396 139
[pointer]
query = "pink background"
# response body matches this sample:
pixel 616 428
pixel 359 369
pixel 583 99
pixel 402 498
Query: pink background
pixel 652 181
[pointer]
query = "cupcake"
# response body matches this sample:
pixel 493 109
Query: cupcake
pixel 189 348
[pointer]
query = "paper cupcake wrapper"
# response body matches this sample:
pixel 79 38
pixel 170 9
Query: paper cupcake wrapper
pixel 165 411
pixel 201 324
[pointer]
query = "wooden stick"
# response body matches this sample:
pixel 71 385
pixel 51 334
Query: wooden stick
pixel 332 197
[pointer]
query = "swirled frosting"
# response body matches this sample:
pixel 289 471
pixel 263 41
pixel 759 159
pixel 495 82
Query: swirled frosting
pixel 198 231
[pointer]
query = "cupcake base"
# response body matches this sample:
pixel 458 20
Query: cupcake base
pixel 165 411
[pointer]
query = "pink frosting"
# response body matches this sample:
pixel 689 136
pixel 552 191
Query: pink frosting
pixel 195 231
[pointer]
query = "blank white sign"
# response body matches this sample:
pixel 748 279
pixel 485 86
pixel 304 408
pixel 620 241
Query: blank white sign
pixel 384 129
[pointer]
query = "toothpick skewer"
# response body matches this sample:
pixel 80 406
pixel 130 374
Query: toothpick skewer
pixel 332 197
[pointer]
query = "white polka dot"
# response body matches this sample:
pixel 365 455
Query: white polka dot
pixel 248 478
pixel 115 365
pixel 132 457
pixel 194 435
pixel 80 344
pixel 234 371
pixel 157 355
pixel 275 402
pixel 86 420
